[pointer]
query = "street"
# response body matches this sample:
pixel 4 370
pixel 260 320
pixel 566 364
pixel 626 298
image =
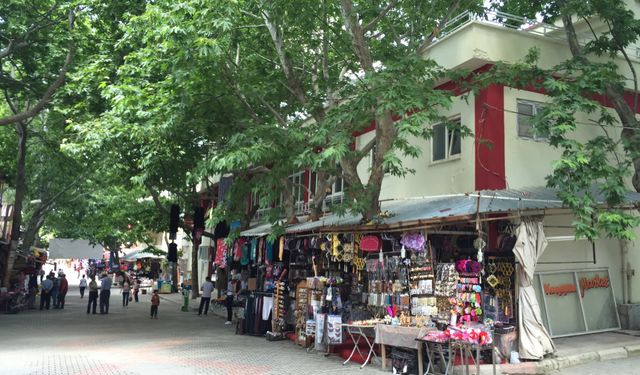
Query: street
pixel 626 366
pixel 128 342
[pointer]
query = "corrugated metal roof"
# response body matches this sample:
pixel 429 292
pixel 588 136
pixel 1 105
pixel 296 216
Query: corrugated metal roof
pixel 424 210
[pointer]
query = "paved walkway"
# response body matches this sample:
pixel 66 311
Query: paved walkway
pixel 128 342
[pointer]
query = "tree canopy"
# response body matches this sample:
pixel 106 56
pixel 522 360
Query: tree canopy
pixel 129 105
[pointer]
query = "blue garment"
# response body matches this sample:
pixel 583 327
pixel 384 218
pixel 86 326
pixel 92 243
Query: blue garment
pixel 244 259
pixel 254 248
pixel 269 251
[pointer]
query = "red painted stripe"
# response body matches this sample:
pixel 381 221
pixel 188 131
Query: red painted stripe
pixel 489 139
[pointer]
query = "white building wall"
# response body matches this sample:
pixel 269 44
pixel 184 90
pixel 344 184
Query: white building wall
pixel 455 175
pixel 528 162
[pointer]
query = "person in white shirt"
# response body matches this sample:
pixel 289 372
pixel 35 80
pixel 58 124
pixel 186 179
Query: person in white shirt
pixel 83 286
pixel 207 288
pixel 105 293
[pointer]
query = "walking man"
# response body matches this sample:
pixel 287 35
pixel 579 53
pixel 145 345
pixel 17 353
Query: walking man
pixel 136 289
pixel 83 286
pixel 105 293
pixel 55 290
pixel 207 288
pixel 62 292
pixel 155 302
pixel 45 293
pixel 93 295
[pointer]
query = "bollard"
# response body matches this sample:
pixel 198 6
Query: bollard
pixel 185 299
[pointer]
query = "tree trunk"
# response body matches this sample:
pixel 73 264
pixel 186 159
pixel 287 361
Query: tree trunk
pixel 289 202
pixel 21 188
pixel 195 283
pixel 616 95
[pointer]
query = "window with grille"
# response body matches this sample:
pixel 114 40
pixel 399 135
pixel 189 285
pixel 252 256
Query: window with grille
pixel 445 141
pixel 526 111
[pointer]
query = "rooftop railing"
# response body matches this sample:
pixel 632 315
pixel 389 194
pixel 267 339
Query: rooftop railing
pixel 521 24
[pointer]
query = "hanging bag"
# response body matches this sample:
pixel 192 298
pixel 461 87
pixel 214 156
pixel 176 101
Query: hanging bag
pixel 370 243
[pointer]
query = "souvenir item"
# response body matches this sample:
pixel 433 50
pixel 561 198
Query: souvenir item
pixel 370 243
pixel 413 241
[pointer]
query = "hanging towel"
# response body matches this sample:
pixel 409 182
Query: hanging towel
pixel 244 260
pixel 267 306
pixel 254 248
pixel 221 253
pixel 281 249
pixel 269 255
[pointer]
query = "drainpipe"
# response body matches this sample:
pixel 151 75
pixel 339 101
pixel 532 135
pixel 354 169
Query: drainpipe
pixel 627 271
pixel 625 278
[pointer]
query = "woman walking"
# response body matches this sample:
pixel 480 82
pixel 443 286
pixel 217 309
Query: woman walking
pixel 126 289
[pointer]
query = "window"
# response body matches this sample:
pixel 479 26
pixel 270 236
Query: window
pixel 445 142
pixel 297 186
pixel 526 111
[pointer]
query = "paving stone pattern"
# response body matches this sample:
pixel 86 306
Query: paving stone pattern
pixel 128 342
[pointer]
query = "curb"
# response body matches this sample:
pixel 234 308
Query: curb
pixel 547 366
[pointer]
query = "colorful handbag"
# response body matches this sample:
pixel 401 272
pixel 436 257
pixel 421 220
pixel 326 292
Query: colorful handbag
pixel 370 243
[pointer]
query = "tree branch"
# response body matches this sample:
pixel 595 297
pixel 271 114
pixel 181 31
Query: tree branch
pixel 51 90
pixel 429 39
pixel 275 113
pixel 380 16
pixel 156 198
pixel 354 29
pixel 294 83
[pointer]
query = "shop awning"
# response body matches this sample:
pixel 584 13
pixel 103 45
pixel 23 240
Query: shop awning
pixel 422 211
pixel 140 253
pixel 66 248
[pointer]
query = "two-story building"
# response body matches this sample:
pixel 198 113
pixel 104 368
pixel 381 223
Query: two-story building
pixel 581 287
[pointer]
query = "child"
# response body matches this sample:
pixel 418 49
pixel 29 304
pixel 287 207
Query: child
pixel 155 301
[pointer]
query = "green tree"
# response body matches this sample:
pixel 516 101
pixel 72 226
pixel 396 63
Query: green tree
pixel 612 159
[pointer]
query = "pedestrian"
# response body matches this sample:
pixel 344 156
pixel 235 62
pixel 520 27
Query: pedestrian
pixel 126 289
pixel 62 292
pixel 207 288
pixel 41 273
pixel 155 302
pixel 231 291
pixel 136 289
pixel 93 295
pixel 105 293
pixel 45 293
pixel 33 290
pixel 83 286
pixel 55 290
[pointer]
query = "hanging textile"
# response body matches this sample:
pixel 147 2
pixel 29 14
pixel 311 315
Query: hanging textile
pixel 221 253
pixel 254 248
pixel 535 341
pixel 269 255
pixel 334 329
pixel 246 249
pixel 281 248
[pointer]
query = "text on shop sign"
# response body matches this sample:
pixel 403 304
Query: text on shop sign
pixel 585 284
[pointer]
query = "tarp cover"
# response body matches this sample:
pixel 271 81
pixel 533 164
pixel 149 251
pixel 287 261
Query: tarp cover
pixel 66 248
pixel 135 254
pixel 535 341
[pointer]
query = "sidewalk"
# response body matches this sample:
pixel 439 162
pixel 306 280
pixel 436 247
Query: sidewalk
pixel 578 350
pixel 571 351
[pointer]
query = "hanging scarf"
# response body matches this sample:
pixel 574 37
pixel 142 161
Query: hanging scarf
pixel 281 249
pixel 254 248
pixel 221 253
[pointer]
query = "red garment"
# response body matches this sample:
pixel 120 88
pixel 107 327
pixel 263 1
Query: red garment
pixel 64 285
pixel 221 253
pixel 237 249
